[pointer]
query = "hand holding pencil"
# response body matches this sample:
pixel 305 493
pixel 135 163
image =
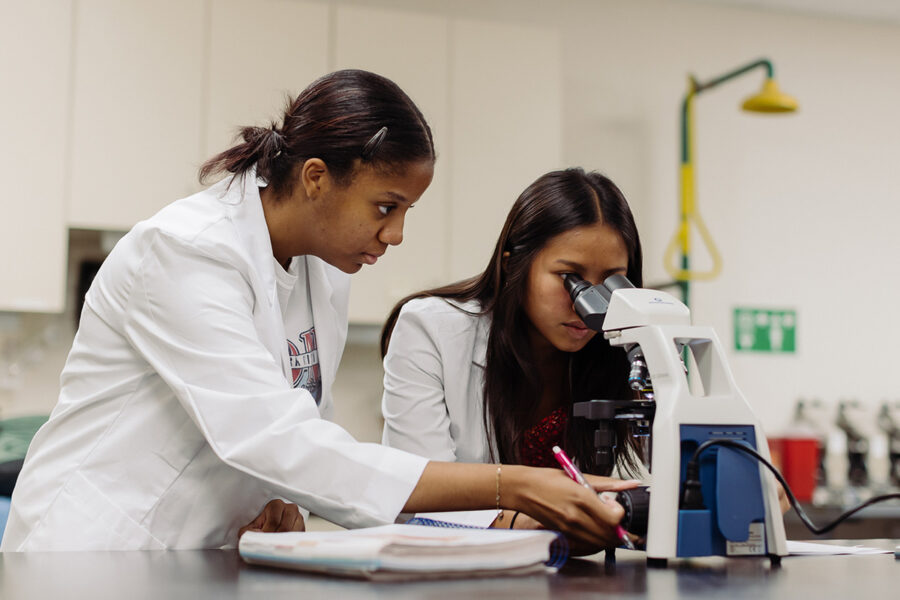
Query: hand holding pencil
pixel 572 471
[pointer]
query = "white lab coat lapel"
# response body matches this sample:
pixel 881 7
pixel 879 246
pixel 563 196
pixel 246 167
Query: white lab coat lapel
pixel 331 331
pixel 479 351
pixel 245 208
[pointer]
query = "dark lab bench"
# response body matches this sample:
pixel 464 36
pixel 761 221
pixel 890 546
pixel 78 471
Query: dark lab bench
pixel 876 521
pixel 220 574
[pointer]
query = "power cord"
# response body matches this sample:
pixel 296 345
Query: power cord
pixel 693 497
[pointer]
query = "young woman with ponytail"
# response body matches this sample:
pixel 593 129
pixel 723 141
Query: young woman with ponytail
pixel 199 383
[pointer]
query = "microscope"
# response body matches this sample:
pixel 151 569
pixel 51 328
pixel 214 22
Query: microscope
pixel 708 496
pixel 857 445
pixel 889 422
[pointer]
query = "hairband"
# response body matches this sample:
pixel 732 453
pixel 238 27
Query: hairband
pixel 278 139
pixel 372 145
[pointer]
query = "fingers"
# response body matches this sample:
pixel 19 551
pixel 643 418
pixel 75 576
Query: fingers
pixel 282 516
pixel 582 517
pixel 276 516
pixel 254 525
pixel 292 520
pixel 602 516
pixel 611 484
pixel 274 513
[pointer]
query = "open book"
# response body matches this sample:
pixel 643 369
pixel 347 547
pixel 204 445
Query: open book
pixel 405 551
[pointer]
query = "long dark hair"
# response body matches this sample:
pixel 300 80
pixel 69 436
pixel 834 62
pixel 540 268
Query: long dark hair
pixel 557 202
pixel 345 118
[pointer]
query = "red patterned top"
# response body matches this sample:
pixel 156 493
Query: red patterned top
pixel 536 447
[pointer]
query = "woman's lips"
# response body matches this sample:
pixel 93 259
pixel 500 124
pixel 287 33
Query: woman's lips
pixel 370 259
pixel 577 329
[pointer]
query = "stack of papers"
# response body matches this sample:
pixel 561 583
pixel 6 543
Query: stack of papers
pixel 403 551
pixel 814 549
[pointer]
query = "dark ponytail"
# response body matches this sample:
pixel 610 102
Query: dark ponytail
pixel 345 118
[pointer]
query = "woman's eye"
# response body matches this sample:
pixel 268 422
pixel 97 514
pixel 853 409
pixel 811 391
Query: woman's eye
pixel 386 210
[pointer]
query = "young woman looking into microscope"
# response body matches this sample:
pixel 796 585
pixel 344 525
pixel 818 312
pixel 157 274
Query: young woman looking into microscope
pixel 487 369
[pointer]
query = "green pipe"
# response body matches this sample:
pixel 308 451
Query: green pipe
pixel 686 158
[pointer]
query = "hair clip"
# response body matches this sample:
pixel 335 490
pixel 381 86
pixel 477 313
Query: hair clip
pixel 372 145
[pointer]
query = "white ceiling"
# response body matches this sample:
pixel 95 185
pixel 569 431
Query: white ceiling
pixel 870 10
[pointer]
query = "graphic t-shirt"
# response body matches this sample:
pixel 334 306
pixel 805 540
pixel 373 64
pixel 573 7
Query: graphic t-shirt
pixel 296 311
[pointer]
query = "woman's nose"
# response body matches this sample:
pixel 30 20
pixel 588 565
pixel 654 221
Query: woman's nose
pixel 392 232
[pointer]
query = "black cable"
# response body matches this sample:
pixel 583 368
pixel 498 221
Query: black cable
pixel 693 467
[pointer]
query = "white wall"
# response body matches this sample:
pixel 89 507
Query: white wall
pixel 802 207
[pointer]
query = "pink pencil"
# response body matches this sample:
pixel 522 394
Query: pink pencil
pixel 572 471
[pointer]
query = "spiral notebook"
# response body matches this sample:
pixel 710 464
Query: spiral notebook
pixel 407 551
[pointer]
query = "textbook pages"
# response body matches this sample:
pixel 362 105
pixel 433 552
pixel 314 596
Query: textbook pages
pixel 403 551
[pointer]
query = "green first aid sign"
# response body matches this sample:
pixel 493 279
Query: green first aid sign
pixel 765 330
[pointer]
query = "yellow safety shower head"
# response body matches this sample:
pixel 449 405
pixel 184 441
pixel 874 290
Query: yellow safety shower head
pixel 770 100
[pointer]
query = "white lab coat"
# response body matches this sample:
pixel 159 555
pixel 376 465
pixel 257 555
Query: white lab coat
pixel 176 420
pixel 433 400
pixel 433 388
pixel 433 381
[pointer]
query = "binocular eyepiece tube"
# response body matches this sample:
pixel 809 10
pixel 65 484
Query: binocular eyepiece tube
pixel 592 301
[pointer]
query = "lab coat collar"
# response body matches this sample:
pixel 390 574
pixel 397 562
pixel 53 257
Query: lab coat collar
pixel 482 329
pixel 245 205
pixel 242 197
pixel 479 352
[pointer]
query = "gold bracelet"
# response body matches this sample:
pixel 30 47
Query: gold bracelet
pixel 499 511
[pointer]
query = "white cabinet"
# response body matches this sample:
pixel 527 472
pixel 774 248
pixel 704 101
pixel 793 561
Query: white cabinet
pixel 35 45
pixel 260 54
pixel 491 93
pixel 137 118
pixel 119 103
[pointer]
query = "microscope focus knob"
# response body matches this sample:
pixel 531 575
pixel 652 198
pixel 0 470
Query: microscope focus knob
pixel 636 503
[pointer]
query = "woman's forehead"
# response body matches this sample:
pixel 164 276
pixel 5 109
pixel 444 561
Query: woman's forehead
pixel 585 239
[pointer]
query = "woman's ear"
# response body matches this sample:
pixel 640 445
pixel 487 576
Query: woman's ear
pixel 314 177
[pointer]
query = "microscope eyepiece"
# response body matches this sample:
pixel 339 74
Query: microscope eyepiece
pixel 574 284
pixel 592 301
pixel 616 282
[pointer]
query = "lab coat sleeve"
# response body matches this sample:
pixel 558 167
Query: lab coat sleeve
pixel 413 404
pixel 192 316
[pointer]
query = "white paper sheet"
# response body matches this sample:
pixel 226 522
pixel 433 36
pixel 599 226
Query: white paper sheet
pixel 814 549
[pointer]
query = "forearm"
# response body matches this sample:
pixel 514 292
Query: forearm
pixel 446 486
pixel 547 495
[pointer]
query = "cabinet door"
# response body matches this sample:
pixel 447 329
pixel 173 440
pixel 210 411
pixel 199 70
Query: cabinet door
pixel 261 52
pixel 35 45
pixel 138 106
pixel 411 49
pixel 507 122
